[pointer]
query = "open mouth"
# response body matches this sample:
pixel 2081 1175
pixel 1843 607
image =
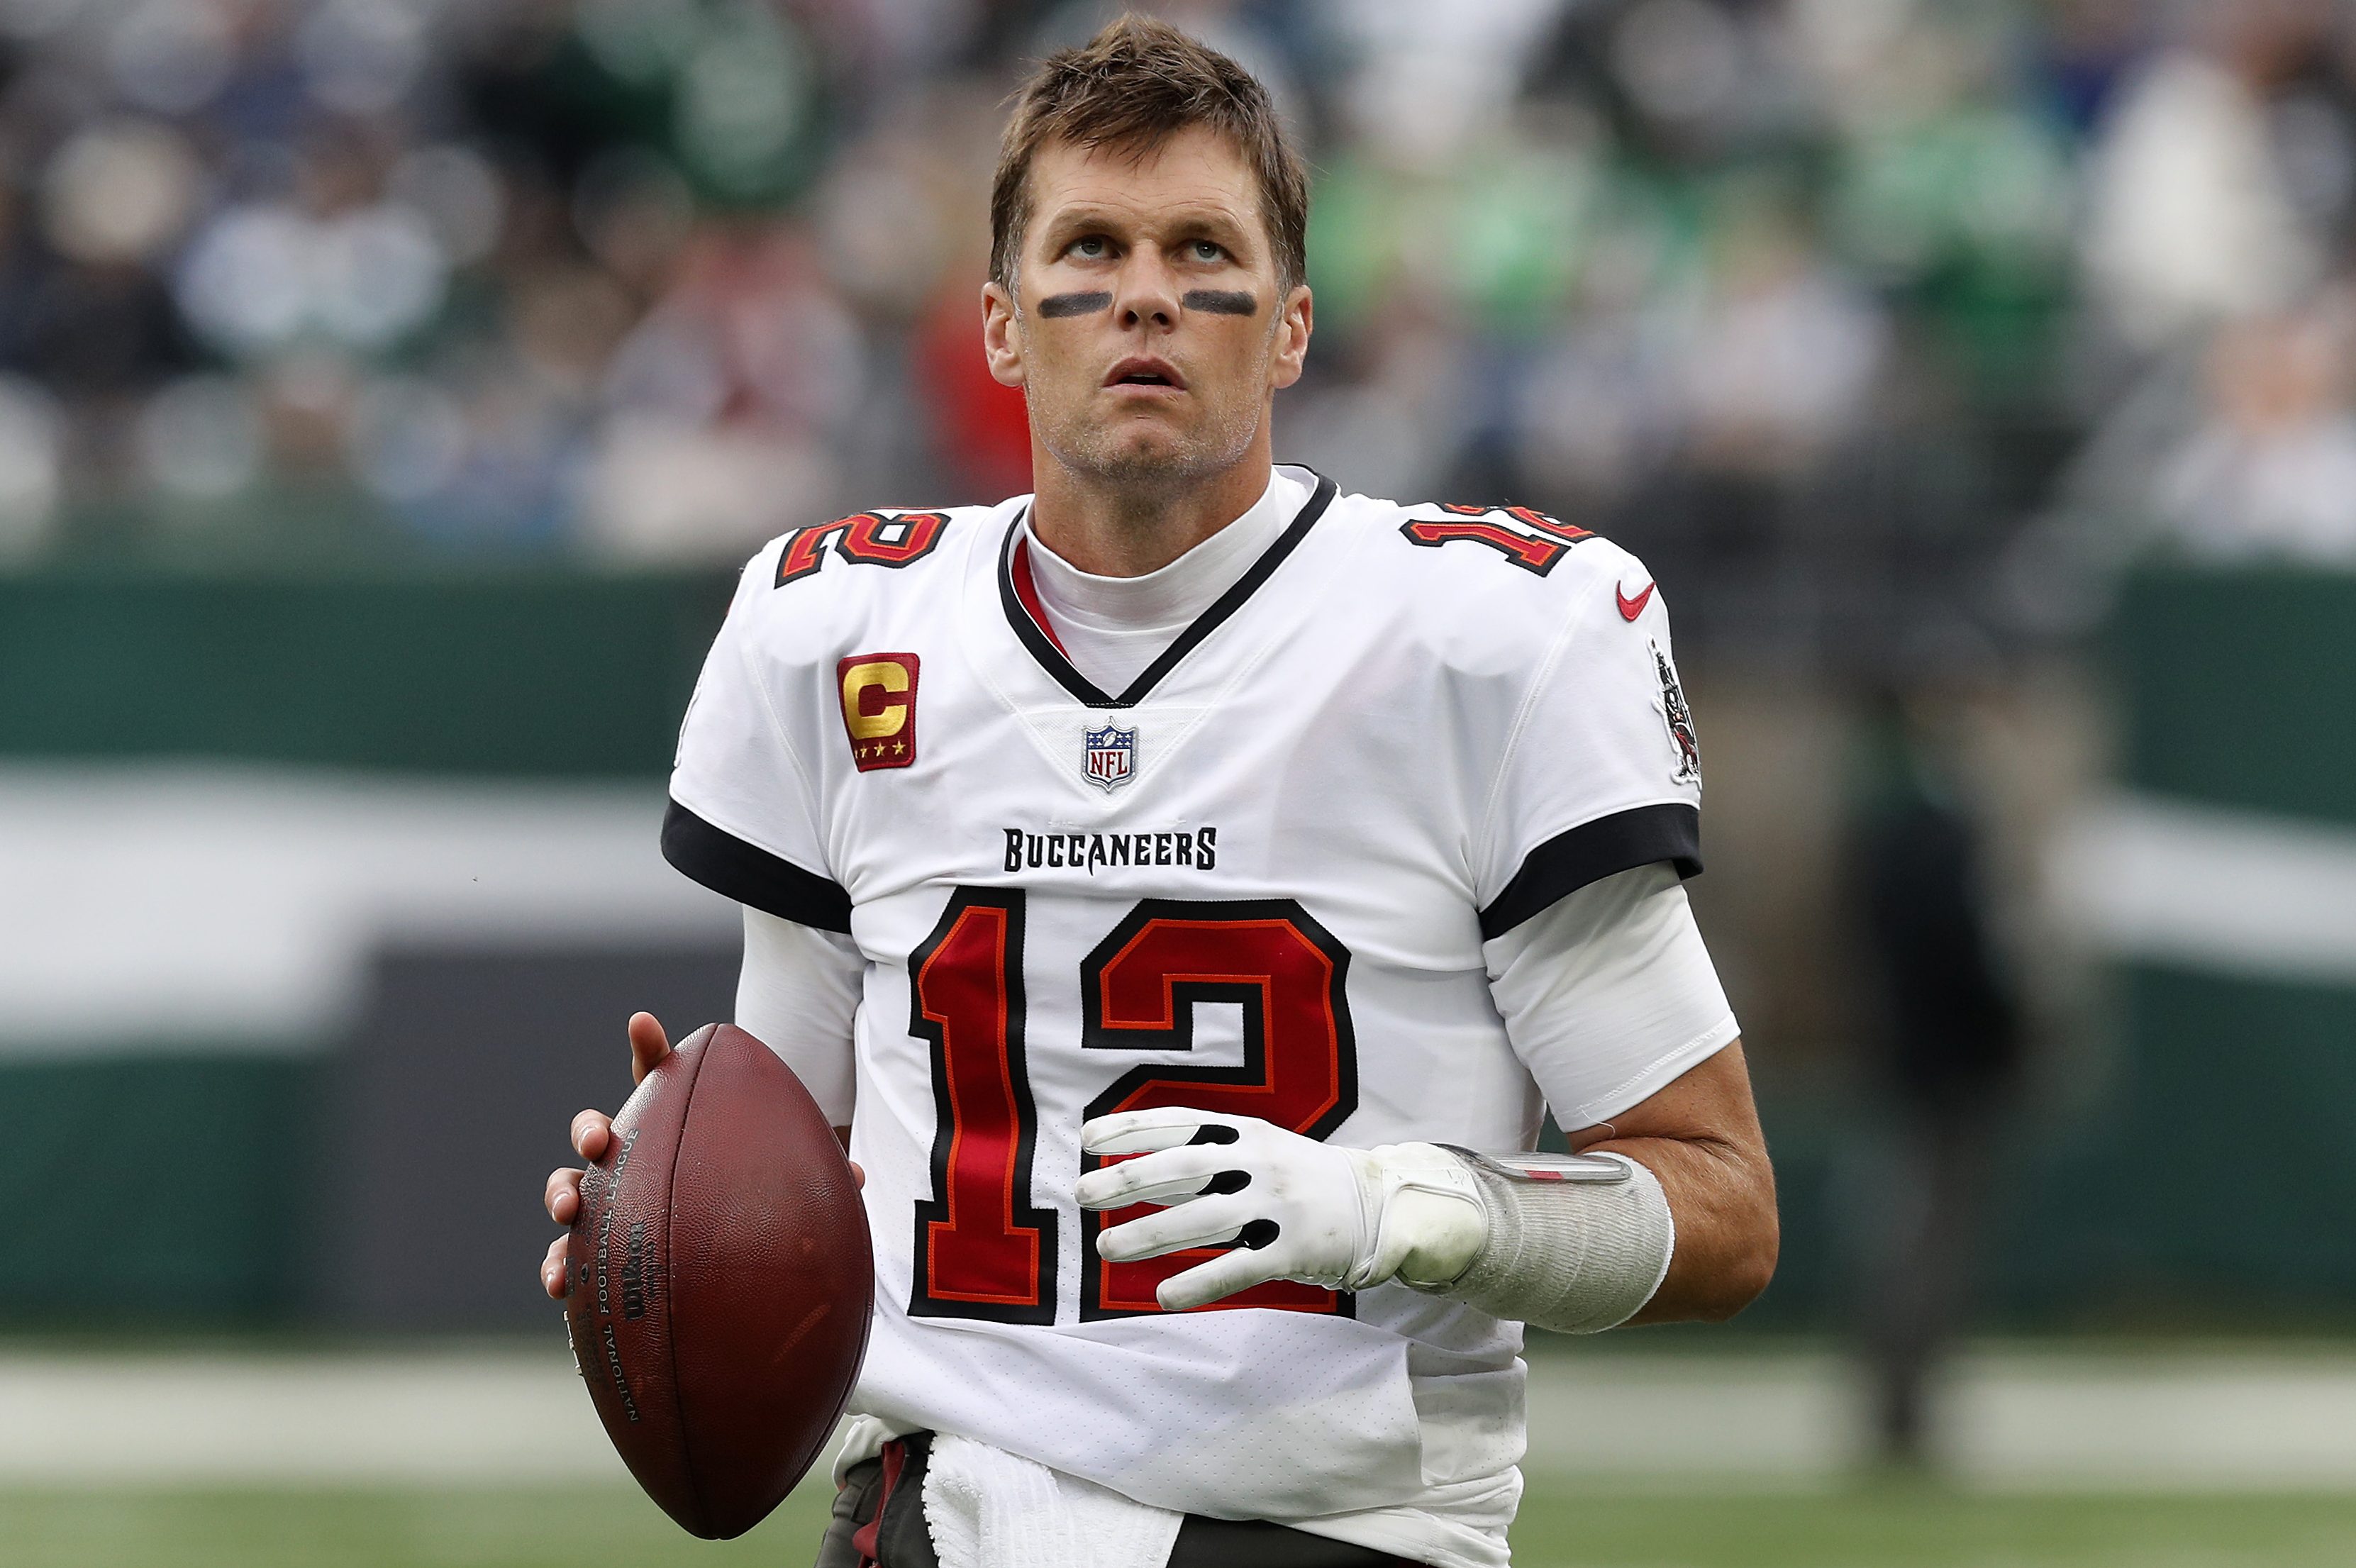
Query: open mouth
pixel 1144 373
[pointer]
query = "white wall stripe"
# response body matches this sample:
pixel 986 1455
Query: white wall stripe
pixel 239 908
pixel 2210 888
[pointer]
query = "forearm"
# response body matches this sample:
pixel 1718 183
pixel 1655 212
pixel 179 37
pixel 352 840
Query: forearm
pixel 1721 1196
pixel 1581 1256
pixel 1610 986
pixel 1691 1235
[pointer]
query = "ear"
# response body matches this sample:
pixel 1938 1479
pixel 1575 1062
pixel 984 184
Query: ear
pixel 1002 342
pixel 1294 320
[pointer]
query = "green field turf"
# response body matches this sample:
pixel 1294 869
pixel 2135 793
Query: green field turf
pixel 1886 1528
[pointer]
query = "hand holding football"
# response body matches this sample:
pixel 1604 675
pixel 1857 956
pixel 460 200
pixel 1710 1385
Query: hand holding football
pixel 718 1281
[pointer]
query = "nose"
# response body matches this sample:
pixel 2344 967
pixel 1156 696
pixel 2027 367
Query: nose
pixel 1146 295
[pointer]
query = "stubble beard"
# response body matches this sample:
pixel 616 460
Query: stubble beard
pixel 1115 457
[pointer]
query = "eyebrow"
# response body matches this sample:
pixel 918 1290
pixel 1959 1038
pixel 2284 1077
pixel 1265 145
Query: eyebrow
pixel 1073 221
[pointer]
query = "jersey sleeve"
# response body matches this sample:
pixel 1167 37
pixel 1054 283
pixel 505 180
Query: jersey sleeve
pixel 744 813
pixel 1609 994
pixel 1601 770
pixel 798 994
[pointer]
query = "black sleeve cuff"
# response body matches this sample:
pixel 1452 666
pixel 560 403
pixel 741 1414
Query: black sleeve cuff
pixel 1592 851
pixel 751 875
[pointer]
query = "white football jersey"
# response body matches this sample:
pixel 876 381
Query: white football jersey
pixel 1257 881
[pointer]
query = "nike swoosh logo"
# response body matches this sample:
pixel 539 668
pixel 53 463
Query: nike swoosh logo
pixel 1631 608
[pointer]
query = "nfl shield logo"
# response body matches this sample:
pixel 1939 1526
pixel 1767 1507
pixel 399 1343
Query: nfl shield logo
pixel 1111 759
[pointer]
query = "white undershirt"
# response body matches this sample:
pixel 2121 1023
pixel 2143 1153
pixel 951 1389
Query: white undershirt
pixel 1112 627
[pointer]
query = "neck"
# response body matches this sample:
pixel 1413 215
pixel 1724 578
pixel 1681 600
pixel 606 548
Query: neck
pixel 1115 529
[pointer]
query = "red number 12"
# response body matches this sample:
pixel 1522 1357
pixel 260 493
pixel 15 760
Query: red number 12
pixel 981 1249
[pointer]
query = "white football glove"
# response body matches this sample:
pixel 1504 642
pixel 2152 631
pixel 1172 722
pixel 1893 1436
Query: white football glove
pixel 1345 1218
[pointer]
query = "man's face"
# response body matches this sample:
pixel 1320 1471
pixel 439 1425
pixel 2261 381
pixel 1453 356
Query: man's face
pixel 1145 324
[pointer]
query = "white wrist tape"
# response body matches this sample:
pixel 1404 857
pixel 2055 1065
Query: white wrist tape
pixel 1574 1257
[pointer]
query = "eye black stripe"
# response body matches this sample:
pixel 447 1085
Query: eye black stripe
pixel 1220 301
pixel 1059 305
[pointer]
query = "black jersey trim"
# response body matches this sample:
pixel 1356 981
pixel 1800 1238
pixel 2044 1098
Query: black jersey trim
pixel 1592 851
pixel 1051 658
pixel 751 874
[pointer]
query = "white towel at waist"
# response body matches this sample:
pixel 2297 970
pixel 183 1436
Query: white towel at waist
pixel 989 1509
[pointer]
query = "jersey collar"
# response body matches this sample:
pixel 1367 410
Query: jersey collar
pixel 1021 601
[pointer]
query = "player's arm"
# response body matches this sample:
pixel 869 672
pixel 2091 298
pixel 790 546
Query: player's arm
pixel 1700 1139
pixel 798 994
pixel 1611 999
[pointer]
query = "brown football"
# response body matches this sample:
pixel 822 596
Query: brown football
pixel 718 1281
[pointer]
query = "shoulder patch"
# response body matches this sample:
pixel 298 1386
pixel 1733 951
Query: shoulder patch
pixel 865 539
pixel 1525 538
pixel 1679 717
pixel 879 708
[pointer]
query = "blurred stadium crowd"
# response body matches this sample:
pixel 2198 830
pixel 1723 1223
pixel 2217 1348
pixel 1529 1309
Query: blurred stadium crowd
pixel 1818 304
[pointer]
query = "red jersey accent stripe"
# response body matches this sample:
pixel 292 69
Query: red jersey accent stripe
pixel 1028 592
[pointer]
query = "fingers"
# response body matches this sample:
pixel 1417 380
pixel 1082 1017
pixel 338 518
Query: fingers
pixel 649 1044
pixel 561 1197
pixel 1172 1176
pixel 1221 1277
pixel 1148 1131
pixel 1206 1223
pixel 858 1174
pixel 592 1131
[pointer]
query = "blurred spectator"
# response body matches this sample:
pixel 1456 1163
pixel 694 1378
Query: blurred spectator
pixel 726 399
pixel 335 263
pixel 1944 1051
pixel 1782 359
pixel 2272 468
pixel 2190 218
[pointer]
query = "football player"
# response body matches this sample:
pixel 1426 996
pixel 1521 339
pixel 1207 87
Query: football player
pixel 1190 886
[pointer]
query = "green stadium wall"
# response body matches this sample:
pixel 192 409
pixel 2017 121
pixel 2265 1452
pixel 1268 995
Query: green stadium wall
pixel 175 1180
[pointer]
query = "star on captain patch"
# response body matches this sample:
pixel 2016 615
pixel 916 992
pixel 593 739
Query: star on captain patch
pixel 1679 718
pixel 1109 758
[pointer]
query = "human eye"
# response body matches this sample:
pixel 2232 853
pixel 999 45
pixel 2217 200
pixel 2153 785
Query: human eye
pixel 1089 248
pixel 1206 251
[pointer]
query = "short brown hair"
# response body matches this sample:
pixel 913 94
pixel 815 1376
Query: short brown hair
pixel 1135 85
